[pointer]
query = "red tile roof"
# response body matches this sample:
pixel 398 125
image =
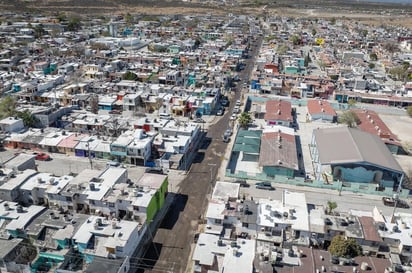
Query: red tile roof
pixel 278 110
pixel 372 123
pixel 369 229
pixel 319 106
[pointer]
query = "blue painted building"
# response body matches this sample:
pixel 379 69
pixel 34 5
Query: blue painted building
pixel 351 155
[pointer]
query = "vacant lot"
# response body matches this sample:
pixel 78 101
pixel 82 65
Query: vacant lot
pixel 370 13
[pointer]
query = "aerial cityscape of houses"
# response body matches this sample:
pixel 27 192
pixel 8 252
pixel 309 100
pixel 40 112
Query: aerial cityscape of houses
pixel 144 92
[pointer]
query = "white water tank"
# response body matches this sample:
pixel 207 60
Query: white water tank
pixel 364 266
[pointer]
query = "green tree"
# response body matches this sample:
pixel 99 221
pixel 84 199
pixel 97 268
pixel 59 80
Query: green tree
pixel 244 119
pixel 399 72
pixel 74 24
pixel 351 102
pixel 331 206
pixel 61 17
pixel 391 47
pixel 198 42
pixel 314 32
pixel 371 65
pixel 349 118
pixel 373 57
pixel 307 60
pixel 130 76
pixel 129 19
pixel 7 107
pixel 29 120
pixel 39 31
pixel 344 247
pixel 409 110
pixel 282 49
pixel 295 39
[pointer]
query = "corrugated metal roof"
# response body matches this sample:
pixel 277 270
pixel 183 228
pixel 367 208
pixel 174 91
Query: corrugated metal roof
pixel 250 133
pixel 248 141
pixel 342 145
pixel 278 151
pixel 250 149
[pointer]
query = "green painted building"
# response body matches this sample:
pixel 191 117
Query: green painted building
pixel 154 188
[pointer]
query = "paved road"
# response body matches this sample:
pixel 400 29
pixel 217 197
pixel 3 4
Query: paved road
pixel 172 244
pixel 346 201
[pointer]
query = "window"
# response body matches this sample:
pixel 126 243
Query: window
pixel 111 205
pixel 218 221
pixel 136 208
pixel 91 202
pixel 246 225
pixel 68 198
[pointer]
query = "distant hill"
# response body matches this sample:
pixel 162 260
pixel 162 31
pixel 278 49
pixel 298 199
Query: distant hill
pixel 190 6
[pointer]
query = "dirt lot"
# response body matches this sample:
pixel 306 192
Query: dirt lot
pixel 400 126
pixel 369 13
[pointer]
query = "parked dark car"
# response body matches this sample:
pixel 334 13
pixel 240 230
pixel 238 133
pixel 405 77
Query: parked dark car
pixel 390 202
pixel 220 112
pixel 115 112
pixel 154 170
pixel 224 103
pixel 264 186
pixel 242 183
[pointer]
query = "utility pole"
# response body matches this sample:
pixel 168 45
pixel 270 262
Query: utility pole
pixel 90 156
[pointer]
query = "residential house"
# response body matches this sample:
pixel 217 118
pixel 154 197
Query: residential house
pixel 139 150
pixel 157 186
pixel 51 234
pixel 68 144
pixel 75 194
pixel 372 244
pixel 286 218
pixel 278 112
pixel 321 110
pixel 212 253
pixel 11 125
pixel 278 153
pixel 108 102
pixel 118 148
pixel 42 188
pixel 246 148
pixel 102 149
pixel 16 218
pixel 395 232
pixel 86 146
pixel 51 140
pixel 89 122
pixel 133 102
pixel 11 259
pixel 20 163
pixel 99 237
pixel 175 143
pixel 10 189
pixel 99 187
